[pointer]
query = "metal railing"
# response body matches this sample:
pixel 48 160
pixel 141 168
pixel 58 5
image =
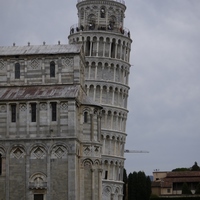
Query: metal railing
pixel 94 27
pixel 120 1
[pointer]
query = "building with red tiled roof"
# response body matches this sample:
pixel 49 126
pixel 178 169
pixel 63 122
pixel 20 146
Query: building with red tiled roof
pixel 170 183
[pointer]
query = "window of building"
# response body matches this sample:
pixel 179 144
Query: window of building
pixel 13 113
pixel 54 111
pixel 113 49
pixel 168 190
pixel 0 164
pixel 17 71
pixel 87 47
pixel 102 12
pixel 33 112
pixel 106 175
pixel 38 196
pixel 82 13
pixel 52 69
pixel 85 117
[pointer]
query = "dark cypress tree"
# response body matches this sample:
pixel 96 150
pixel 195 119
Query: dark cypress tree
pixel 134 186
pixel 148 187
pixel 130 182
pixel 185 189
pixel 198 189
pixel 141 186
pixel 125 180
pixel 195 167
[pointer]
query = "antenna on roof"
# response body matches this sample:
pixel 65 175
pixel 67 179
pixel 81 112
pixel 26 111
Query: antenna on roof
pixel 13 44
pixel 58 42
pixel 28 43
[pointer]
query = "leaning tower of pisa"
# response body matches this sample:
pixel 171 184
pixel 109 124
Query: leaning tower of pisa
pixel 107 46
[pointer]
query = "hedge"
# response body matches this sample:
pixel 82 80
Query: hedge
pixel 176 198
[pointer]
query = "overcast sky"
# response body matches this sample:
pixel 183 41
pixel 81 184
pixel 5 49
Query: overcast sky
pixel 164 99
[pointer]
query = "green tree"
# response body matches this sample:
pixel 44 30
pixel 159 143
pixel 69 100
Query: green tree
pixel 195 167
pixel 198 189
pixel 139 186
pixel 125 180
pixel 130 186
pixel 134 186
pixel 148 187
pixel 180 169
pixel 185 189
pixel 154 196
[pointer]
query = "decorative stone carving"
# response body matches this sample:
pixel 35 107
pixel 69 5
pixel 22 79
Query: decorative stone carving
pixel 38 181
pixel 107 191
pixel 38 153
pixel 68 62
pixel 17 153
pixel 64 106
pixel 91 151
pixel 3 108
pixel 87 164
pixel 2 65
pixel 35 64
pixel 96 151
pixel 59 152
pixel 22 107
pixel 87 151
pixel 43 106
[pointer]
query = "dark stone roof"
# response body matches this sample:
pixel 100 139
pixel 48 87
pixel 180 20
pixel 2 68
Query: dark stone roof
pixel 38 92
pixel 46 92
pixel 184 174
pixel 39 49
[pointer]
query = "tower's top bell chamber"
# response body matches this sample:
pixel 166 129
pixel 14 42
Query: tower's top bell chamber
pixel 106 15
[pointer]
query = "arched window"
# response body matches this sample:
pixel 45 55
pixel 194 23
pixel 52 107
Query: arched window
pixel 113 47
pixel 102 12
pixel 92 21
pixel 88 43
pixel 13 113
pixel 82 13
pixel 17 71
pixel 0 164
pixel 85 117
pixel 33 112
pixel 52 69
pixel 106 175
pixel 112 22
pixel 54 111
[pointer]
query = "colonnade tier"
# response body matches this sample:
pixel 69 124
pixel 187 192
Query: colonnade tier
pixel 117 136
pixel 112 146
pixel 109 72
pixel 108 95
pixel 113 121
pixel 105 45
pixel 112 169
